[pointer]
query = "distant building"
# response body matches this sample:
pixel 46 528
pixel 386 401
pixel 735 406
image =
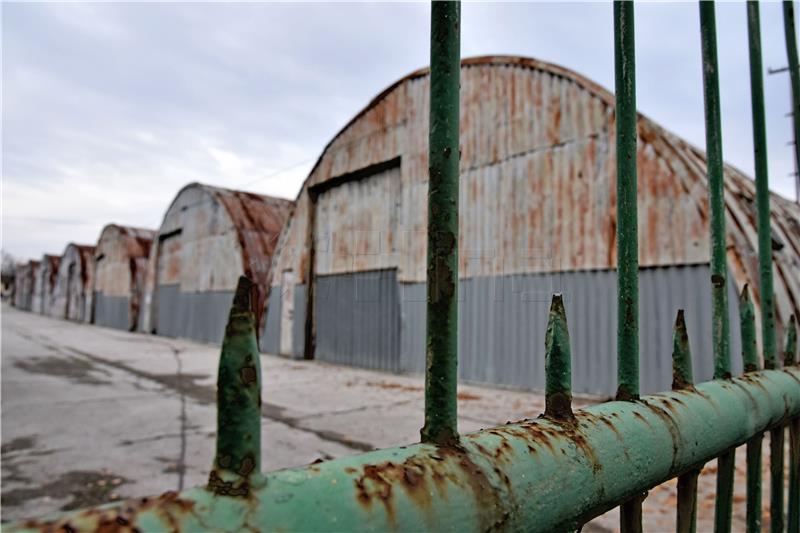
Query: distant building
pixel 120 266
pixel 537 216
pixel 72 294
pixel 209 237
pixel 25 281
pixel 44 283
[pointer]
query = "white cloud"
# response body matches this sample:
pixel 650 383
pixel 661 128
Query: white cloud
pixel 109 109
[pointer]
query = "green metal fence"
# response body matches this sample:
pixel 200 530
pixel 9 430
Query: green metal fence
pixel 558 471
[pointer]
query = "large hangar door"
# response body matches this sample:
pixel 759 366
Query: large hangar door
pixel 168 284
pixel 356 297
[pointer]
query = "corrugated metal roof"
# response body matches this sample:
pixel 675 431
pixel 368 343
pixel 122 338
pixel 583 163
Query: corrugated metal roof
pixel 125 250
pixel 72 292
pixel 538 190
pixel 255 220
pixel 136 240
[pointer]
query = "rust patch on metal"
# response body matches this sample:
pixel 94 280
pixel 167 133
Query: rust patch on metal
pixel 169 506
pixel 416 477
pixel 559 407
pixel 671 425
pixel 226 488
pixel 248 375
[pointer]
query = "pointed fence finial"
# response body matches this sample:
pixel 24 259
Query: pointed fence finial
pixel 558 364
pixel 238 456
pixel 747 320
pixel 790 349
pixel 682 376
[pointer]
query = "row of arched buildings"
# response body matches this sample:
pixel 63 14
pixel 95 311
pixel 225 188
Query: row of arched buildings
pixel 342 269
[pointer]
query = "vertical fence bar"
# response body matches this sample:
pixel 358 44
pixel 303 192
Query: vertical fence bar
pixel 766 294
pixel 750 360
pixel 443 159
pixel 776 480
pixel 794 78
pixel 558 364
pixel 720 325
pixel 789 359
pixel 627 232
pixel 719 273
pixel 682 379
pixel 237 463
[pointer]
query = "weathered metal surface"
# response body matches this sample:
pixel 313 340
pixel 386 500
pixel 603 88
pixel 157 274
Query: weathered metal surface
pixel 537 192
pixel 627 231
pixel 558 365
pixel 121 258
pixel 72 293
pixel 683 379
pixel 776 464
pixel 345 215
pixel 719 260
pixel 762 186
pixel 790 358
pixel 502 318
pixel 536 475
pixel 358 320
pixel 747 323
pixel 208 238
pixel 627 223
pixel 682 372
pixel 200 316
pixel 794 78
pixel 444 153
pixel 237 462
pixel 44 282
pixel 750 360
pixel 25 281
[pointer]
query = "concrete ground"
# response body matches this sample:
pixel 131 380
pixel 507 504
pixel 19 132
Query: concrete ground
pixel 91 415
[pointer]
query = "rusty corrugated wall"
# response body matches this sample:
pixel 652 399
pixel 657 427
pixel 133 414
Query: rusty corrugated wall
pixel 537 197
pixel 44 283
pixel 121 258
pixel 25 281
pixel 72 293
pixel 208 238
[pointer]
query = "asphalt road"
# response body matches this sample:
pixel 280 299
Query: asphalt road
pixel 91 415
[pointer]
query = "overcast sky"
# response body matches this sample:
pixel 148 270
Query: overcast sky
pixel 108 109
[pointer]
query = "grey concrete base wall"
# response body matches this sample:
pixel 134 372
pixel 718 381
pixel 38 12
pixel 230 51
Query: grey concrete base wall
pixel 199 316
pixel 358 320
pixel 502 324
pixel 112 311
pixel 271 336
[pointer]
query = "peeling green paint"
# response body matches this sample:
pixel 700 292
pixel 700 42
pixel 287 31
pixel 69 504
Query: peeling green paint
pixel 441 374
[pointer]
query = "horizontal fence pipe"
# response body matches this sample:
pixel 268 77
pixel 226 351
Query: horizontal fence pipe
pixel 536 475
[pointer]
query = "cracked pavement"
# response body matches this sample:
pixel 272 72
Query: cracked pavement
pixel 91 415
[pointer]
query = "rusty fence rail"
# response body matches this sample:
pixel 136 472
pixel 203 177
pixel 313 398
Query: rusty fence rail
pixel 558 471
